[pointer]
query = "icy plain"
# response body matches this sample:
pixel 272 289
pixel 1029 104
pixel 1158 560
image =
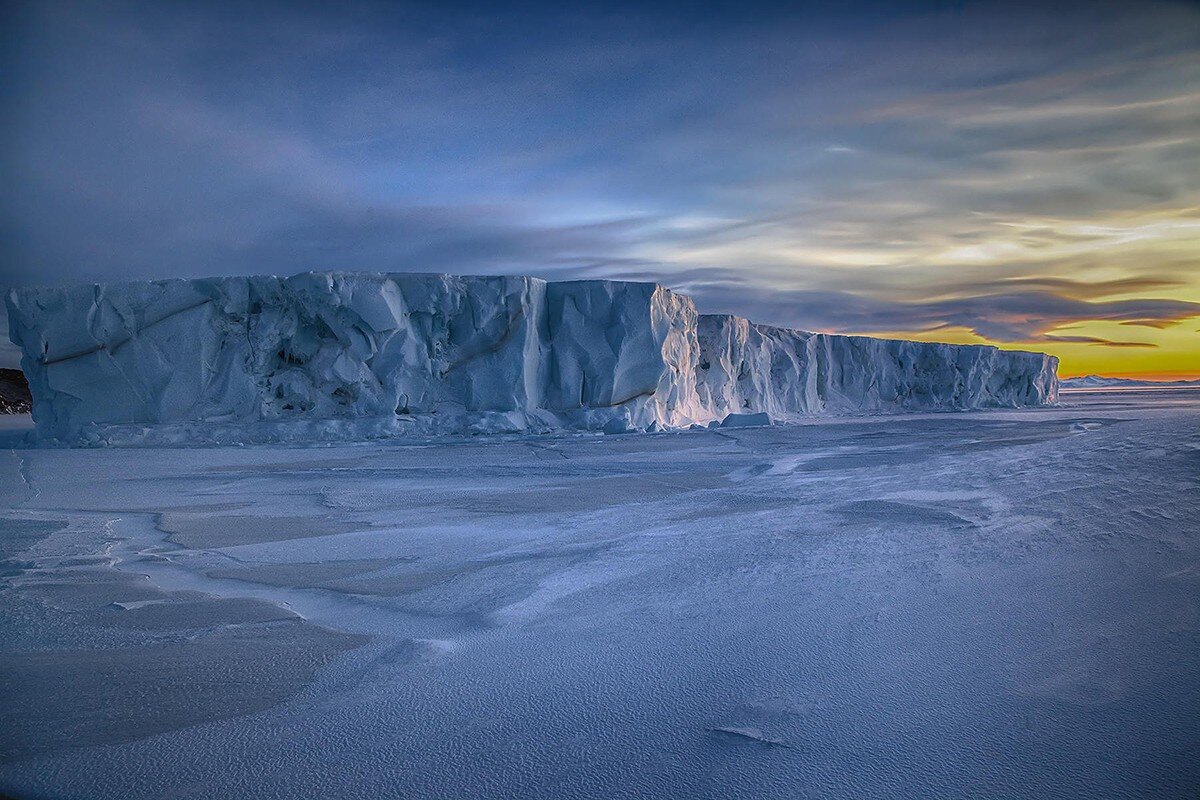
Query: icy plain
pixel 981 604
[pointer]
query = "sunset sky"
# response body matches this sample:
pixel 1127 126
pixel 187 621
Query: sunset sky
pixel 1018 174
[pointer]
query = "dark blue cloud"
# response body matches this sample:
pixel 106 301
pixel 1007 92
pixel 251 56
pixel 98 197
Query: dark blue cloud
pixel 770 143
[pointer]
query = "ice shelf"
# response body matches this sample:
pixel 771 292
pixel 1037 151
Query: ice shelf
pixel 368 354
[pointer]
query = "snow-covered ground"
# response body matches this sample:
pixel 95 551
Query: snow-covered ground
pixel 989 604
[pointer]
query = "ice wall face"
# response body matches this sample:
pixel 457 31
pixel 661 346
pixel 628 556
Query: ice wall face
pixel 436 351
pixel 748 368
pixel 440 353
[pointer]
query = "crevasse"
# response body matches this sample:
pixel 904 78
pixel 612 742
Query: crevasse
pixel 365 354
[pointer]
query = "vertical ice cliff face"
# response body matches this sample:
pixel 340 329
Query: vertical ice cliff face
pixel 749 368
pixel 621 351
pixel 441 353
pixel 862 373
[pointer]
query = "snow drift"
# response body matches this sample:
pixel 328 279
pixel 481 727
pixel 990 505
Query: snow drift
pixel 359 354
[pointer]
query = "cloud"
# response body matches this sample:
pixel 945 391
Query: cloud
pixel 1013 317
pixel 1079 289
pixel 1095 341
pixel 1160 324
pixel 868 169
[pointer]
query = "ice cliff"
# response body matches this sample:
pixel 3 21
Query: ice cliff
pixel 381 354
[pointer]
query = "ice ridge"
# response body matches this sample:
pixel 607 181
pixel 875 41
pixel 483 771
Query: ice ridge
pixel 365 354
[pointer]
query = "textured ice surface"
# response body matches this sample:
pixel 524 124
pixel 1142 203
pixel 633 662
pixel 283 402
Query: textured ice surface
pixel 745 367
pixel 1101 382
pixel 995 604
pixel 362 355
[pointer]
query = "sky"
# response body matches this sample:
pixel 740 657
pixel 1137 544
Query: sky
pixel 1025 175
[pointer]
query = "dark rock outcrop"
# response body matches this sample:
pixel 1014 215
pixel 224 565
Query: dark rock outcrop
pixel 14 392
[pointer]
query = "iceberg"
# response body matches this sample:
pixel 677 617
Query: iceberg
pixel 746 367
pixel 347 354
pixel 1101 382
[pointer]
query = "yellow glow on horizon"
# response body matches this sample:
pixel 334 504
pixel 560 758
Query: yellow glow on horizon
pixel 1150 254
pixel 1175 356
